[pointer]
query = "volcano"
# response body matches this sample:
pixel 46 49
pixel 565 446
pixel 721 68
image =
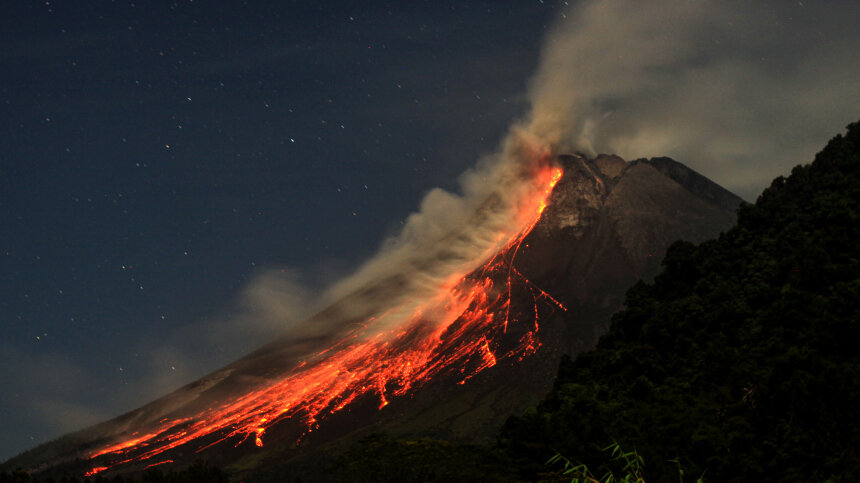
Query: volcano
pixel 484 346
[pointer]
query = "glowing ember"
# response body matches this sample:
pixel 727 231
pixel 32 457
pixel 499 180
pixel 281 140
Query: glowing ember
pixel 458 333
pixel 158 464
pixel 95 471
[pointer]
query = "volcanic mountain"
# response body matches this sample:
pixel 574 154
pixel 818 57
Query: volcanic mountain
pixel 464 361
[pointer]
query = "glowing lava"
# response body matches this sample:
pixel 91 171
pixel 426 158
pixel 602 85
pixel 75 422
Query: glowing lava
pixel 463 330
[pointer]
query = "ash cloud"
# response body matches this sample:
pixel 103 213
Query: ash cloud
pixel 741 91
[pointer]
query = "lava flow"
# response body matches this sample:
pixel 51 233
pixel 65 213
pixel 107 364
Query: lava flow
pixel 469 326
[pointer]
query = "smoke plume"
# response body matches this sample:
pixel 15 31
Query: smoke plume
pixel 739 90
pixel 449 236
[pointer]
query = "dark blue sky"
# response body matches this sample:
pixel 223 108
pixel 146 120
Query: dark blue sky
pixel 156 155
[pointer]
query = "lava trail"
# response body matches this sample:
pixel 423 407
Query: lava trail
pixel 466 327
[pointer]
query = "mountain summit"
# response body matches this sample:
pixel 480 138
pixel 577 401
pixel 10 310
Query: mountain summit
pixel 606 224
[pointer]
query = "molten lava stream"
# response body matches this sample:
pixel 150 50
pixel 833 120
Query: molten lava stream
pixel 461 331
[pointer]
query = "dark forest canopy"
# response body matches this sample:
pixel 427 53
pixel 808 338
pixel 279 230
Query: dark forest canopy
pixel 741 358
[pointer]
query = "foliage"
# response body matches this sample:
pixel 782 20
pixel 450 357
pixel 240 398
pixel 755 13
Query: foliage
pixel 741 358
pixel 630 467
pixel 630 461
pixel 381 458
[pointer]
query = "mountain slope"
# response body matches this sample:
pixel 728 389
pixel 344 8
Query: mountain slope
pixel 605 225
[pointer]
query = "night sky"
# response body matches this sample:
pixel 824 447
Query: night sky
pixel 157 156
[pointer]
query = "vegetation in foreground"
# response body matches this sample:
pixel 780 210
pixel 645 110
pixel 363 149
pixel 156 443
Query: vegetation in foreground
pixel 198 472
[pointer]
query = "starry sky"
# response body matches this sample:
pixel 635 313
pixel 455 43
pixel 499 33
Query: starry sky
pixel 156 157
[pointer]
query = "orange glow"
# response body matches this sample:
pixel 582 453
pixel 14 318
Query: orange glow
pixel 158 464
pixel 459 332
pixel 556 175
pixel 95 471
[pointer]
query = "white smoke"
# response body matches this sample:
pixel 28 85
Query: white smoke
pixel 741 91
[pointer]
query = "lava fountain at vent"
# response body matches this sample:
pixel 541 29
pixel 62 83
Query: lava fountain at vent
pixel 467 326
